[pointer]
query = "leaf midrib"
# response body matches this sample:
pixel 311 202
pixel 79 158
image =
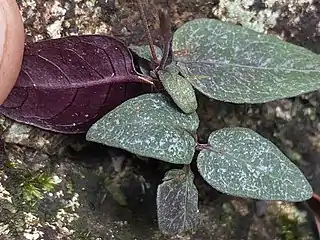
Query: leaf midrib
pixel 172 126
pixel 245 66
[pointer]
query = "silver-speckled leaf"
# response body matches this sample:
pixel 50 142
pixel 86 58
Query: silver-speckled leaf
pixel 144 52
pixel 179 88
pixel 234 64
pixel 149 125
pixel 241 162
pixel 177 203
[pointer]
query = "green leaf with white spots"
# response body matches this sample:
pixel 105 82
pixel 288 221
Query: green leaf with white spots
pixel 144 52
pixel 179 88
pixel 235 64
pixel 177 203
pixel 149 125
pixel 241 162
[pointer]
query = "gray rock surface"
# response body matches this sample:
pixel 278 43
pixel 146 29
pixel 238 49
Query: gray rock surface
pixel 54 186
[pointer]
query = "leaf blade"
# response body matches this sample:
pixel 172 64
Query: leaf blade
pixel 59 77
pixel 234 64
pixel 243 163
pixel 149 125
pixel 179 88
pixel 177 203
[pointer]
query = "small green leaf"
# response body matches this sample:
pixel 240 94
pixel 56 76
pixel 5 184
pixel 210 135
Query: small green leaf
pixel 235 64
pixel 144 52
pixel 149 125
pixel 177 203
pixel 240 162
pixel 179 88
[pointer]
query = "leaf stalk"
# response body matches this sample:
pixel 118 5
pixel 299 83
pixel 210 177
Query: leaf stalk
pixel 146 28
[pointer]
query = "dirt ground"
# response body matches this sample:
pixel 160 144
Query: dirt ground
pixel 60 187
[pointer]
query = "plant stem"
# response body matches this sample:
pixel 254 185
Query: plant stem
pixel 165 27
pixel 146 28
pixel 186 168
pixel 315 196
pixel 201 146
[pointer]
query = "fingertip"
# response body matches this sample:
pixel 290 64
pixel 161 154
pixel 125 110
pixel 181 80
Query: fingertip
pixel 11 45
pixel 3 26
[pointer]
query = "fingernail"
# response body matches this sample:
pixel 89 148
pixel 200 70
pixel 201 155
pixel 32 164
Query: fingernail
pixel 3 26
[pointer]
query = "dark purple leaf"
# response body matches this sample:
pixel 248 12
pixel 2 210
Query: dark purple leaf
pixel 67 84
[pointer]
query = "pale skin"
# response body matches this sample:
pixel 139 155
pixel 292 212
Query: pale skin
pixel 11 46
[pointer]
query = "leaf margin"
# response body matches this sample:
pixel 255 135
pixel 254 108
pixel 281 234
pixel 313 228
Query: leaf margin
pixel 214 182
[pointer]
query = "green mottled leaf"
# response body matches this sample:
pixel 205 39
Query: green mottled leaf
pixel 177 203
pixel 234 64
pixel 179 88
pixel 240 162
pixel 144 52
pixel 149 125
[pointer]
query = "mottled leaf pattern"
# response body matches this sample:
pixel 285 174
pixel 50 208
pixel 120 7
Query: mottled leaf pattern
pixel 66 84
pixel 234 64
pixel 149 125
pixel 179 88
pixel 242 163
pixel 177 203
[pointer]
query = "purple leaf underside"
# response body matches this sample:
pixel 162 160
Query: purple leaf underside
pixel 67 84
